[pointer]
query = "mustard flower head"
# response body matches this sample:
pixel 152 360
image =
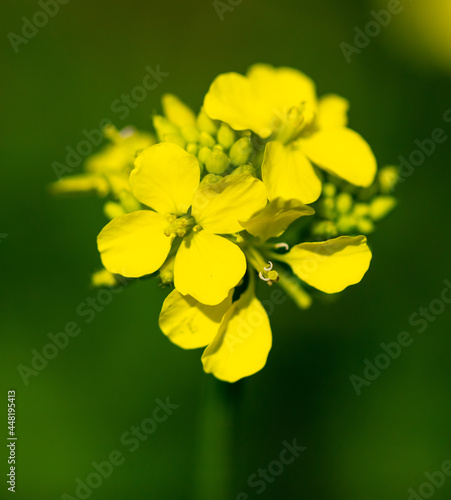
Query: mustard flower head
pixel 221 203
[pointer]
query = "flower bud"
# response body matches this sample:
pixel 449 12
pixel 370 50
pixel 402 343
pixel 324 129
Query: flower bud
pixel 344 203
pixel 206 124
pixel 163 126
pixel 211 179
pixel 206 139
pixel 178 112
pixel 241 151
pixel 204 153
pixel 388 177
pixel 217 162
pixel 192 148
pixel 244 169
pixel 103 278
pixel 381 206
pixel 166 272
pixel 226 136
pixel 112 209
pixel 190 134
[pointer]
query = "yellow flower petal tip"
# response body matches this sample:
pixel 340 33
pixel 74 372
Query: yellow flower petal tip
pixel 243 342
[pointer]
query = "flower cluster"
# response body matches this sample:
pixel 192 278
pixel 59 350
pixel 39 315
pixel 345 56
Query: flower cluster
pixel 266 184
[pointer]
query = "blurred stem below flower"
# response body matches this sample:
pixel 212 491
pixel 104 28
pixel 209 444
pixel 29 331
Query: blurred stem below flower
pixel 215 473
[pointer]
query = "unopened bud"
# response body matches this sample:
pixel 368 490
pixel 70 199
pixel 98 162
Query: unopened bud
pixel 226 136
pixel 244 169
pixel 204 153
pixel 388 177
pixel 167 271
pixel 206 124
pixel 241 151
pixel 206 139
pixel 178 112
pixel 112 209
pixel 217 162
pixel 344 203
pixel 103 278
pixel 211 179
pixel 381 206
pixel 163 126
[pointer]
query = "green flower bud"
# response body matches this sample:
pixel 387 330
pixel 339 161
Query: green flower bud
pixel 103 278
pixel 129 202
pixel 163 126
pixel 346 224
pixel 190 134
pixel 226 136
pixel 204 153
pixel 329 190
pixel 178 112
pixel 325 228
pixel 206 124
pixel 361 210
pixel 344 203
pixel 241 151
pixel 388 177
pixel 326 208
pixel 211 179
pixel 217 162
pixel 244 169
pixel 112 209
pixel 365 226
pixel 166 272
pixel 381 206
pixel 192 148
pixel 206 139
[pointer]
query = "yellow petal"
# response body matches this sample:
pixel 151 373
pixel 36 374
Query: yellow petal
pixel 259 100
pixel 288 174
pixel 188 323
pixel 243 342
pixel 178 112
pixel 165 178
pixel 275 218
pixel 134 245
pixel 332 265
pixel 77 184
pixel 342 152
pixel 207 267
pixel 218 207
pixel 332 112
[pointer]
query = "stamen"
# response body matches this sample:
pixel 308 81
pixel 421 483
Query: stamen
pixel 269 268
pixel 282 245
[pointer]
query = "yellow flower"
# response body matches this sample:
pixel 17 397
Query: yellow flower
pixel 237 335
pixel 280 105
pixel 107 172
pixel 187 217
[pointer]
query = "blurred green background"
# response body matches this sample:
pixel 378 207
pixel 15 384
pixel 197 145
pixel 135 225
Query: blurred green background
pixel 372 446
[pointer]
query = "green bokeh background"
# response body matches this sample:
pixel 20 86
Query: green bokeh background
pixel 372 446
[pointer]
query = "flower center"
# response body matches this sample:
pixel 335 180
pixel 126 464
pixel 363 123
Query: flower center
pixel 289 123
pixel 179 226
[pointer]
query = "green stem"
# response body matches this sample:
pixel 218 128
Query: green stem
pixel 215 453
